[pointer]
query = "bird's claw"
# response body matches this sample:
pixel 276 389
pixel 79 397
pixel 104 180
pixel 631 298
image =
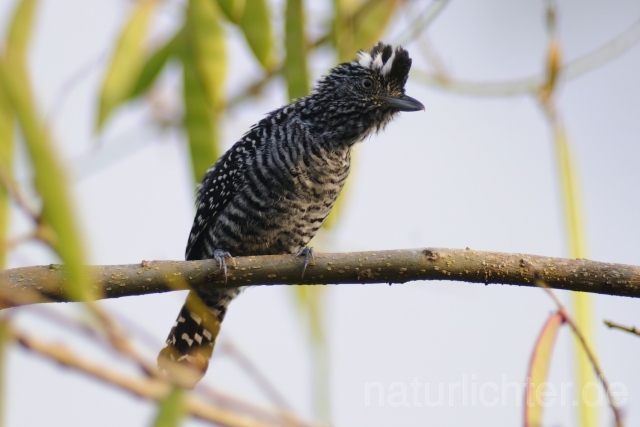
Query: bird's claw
pixel 308 255
pixel 222 256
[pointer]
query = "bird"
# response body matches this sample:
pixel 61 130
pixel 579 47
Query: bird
pixel 273 189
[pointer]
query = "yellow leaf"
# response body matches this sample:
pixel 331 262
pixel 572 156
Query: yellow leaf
pixel 7 132
pixel 50 181
pixel 126 62
pixel 20 30
pixel 359 25
pixel 538 370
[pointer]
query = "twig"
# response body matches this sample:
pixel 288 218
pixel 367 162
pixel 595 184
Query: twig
pixel 588 351
pixel 422 23
pixel 152 389
pixel 398 266
pixel 530 85
pixel 630 329
pixel 231 350
pixel 11 186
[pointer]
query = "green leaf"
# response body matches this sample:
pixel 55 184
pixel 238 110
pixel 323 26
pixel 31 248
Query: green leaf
pixel 4 340
pixel 199 120
pixel 20 30
pixel 256 27
pixel 171 410
pixel 232 9
pixel 538 370
pixel 359 25
pixel 154 65
pixel 206 48
pixel 50 181
pixel 295 64
pixel 7 133
pixel 126 61
pixel 371 21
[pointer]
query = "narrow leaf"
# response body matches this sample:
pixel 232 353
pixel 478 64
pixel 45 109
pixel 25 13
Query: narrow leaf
pixel 576 237
pixel 296 56
pixel 538 370
pixel 206 49
pixel 199 120
pixel 371 22
pixel 232 9
pixel 20 29
pixel 126 61
pixel 7 132
pixel 50 181
pixel 171 410
pixel 4 340
pixel 154 65
pixel 256 27
pixel 359 25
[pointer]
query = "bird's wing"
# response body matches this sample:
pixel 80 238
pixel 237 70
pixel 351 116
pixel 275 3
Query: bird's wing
pixel 220 184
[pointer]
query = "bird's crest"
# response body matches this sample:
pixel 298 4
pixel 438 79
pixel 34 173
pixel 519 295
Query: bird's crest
pixel 390 63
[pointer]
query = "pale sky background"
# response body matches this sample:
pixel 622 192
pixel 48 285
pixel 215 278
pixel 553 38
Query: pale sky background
pixel 469 172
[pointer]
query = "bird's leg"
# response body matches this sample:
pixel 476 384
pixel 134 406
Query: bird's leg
pixel 307 251
pixel 222 256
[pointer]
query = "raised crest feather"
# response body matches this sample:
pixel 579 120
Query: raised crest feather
pixel 390 62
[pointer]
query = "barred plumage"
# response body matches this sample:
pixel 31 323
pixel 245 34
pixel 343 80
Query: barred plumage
pixel 271 192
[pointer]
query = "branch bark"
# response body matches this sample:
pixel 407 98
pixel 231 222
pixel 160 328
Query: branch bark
pixel 18 286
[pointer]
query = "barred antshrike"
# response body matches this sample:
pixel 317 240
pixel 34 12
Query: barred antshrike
pixel 270 193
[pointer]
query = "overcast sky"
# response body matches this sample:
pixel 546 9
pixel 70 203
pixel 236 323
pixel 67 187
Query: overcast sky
pixel 468 172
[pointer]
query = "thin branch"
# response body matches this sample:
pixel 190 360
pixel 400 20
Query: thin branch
pixel 588 351
pixel 530 85
pixel 152 389
pixel 630 329
pixel 398 266
pixel 422 22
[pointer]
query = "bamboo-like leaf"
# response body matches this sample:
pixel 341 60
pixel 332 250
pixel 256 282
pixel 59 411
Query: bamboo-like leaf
pixel 6 162
pixel 126 61
pixel 359 25
pixel 371 22
pixel 538 370
pixel 576 236
pixel 232 9
pixel 310 301
pixel 20 30
pixel 256 27
pixel 50 181
pixel 171 410
pixel 154 65
pixel 199 121
pixel 296 56
pixel 205 46
pixel 4 338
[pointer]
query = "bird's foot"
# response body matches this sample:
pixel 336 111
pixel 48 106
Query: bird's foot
pixel 307 251
pixel 222 256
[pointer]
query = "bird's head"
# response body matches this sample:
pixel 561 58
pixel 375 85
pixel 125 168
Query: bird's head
pixel 363 95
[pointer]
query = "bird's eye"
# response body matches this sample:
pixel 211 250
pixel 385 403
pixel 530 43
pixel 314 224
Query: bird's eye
pixel 367 83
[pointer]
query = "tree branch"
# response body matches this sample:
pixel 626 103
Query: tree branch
pixel 397 266
pixel 150 388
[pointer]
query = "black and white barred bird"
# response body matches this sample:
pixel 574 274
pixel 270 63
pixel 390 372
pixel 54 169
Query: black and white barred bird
pixel 270 193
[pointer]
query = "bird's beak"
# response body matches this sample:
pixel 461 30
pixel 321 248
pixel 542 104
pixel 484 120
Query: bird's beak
pixel 404 103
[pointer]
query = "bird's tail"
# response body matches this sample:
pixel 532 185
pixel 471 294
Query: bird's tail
pixel 190 343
